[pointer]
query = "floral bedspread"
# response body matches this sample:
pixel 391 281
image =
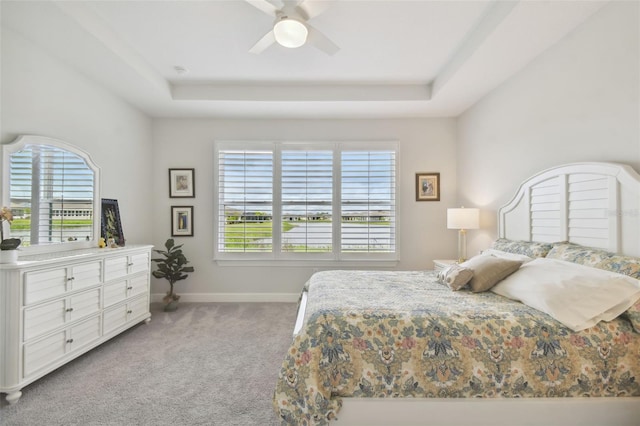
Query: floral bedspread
pixel 402 334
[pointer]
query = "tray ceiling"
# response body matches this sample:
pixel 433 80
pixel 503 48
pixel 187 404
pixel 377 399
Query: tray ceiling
pixel 396 58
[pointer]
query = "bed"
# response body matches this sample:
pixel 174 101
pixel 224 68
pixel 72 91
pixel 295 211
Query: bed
pixel 402 347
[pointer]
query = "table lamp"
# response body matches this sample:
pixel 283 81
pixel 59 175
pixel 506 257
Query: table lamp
pixel 463 219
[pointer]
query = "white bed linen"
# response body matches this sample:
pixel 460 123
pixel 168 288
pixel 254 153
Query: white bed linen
pixel 575 295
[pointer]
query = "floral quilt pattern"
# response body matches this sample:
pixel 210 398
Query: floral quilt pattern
pixel 402 334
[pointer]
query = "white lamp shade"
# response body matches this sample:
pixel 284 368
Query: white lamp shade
pixel 290 32
pixel 463 218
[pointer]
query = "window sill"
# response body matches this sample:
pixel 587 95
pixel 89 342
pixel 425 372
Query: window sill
pixel 372 263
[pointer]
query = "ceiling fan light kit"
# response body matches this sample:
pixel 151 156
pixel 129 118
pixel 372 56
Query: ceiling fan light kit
pixel 292 28
pixel 290 32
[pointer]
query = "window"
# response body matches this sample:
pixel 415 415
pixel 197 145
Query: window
pixel 313 201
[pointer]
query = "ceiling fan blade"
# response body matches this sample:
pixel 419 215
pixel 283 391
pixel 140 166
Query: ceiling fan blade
pixel 264 6
pixel 321 41
pixel 267 40
pixel 309 9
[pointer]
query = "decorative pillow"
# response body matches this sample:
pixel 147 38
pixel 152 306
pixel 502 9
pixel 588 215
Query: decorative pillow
pixel 588 256
pixel 489 270
pixel 455 276
pixel 528 248
pixel 506 255
pixel 626 265
pixel 578 296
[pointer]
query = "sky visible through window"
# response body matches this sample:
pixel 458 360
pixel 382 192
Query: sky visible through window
pixel 367 177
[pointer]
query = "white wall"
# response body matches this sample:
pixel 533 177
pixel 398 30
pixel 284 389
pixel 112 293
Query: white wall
pixel 426 145
pixel 42 96
pixel 579 101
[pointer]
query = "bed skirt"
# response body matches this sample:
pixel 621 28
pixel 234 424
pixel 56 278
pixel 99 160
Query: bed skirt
pixel 501 412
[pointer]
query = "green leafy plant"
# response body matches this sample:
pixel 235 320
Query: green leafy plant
pixel 172 266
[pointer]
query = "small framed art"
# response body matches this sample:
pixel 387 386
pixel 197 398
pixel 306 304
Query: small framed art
pixel 427 186
pixel 182 183
pixel 182 221
pixel 111 227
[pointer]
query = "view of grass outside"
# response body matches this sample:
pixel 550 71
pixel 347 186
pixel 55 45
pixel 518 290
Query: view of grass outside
pixel 257 236
pixel 250 236
pixel 61 231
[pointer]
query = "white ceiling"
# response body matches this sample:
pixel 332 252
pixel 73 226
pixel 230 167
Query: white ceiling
pixel 397 58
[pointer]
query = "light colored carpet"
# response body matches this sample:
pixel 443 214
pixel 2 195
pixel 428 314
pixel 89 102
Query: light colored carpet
pixel 205 364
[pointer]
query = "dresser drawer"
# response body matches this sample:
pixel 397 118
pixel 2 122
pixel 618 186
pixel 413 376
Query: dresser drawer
pixel 83 304
pixel 139 263
pixel 45 317
pixel 42 285
pixel 49 283
pixel 116 267
pixel 86 275
pixel 115 292
pixel 118 291
pixel 38 355
pixel 50 349
pixel 138 285
pixel 119 315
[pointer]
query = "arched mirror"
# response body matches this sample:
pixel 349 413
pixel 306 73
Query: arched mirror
pixel 52 189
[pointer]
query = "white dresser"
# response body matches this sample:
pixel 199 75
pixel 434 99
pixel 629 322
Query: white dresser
pixel 55 307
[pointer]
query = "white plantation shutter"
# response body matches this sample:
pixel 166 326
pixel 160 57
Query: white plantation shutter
pixel 53 189
pixel 307 192
pixel 245 201
pixel 322 201
pixel 368 201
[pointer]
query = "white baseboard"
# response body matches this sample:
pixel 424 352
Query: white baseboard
pixel 232 297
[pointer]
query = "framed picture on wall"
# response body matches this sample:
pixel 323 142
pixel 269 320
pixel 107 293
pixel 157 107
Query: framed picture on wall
pixel 182 221
pixel 110 224
pixel 428 186
pixel 182 183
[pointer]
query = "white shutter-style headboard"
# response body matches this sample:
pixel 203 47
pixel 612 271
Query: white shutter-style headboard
pixel 592 204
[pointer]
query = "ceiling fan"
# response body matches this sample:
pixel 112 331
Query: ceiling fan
pixel 291 27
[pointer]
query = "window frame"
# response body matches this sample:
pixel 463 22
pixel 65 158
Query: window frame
pixel 278 257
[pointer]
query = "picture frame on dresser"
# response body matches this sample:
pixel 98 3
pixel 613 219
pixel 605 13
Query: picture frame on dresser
pixel 182 221
pixel 182 183
pixel 111 225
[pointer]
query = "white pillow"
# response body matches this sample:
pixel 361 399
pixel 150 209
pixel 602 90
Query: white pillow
pixel 506 255
pixel 578 296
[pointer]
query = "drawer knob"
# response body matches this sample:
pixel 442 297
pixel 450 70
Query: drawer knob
pixel 69 309
pixel 69 340
pixel 129 311
pixel 70 279
pixel 129 288
pixel 129 264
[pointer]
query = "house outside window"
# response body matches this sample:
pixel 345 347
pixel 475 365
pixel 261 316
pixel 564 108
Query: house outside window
pixel 333 201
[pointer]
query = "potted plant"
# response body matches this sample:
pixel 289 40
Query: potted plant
pixel 172 267
pixel 8 253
